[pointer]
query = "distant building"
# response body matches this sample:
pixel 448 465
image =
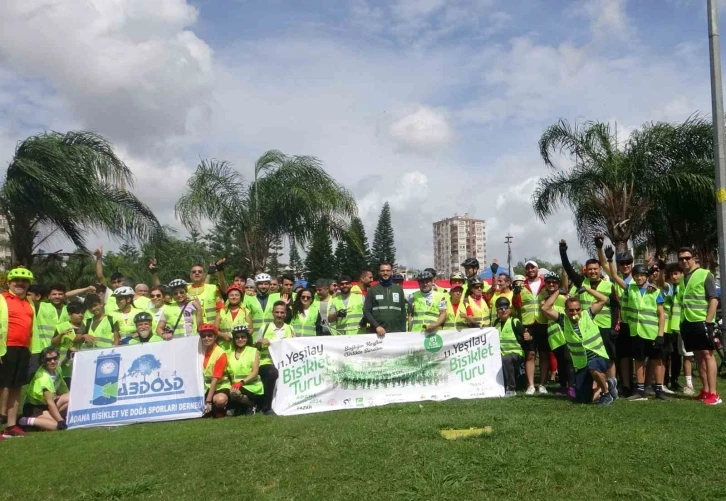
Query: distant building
pixel 457 238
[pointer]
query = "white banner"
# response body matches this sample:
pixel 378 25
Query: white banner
pixel 319 374
pixel 137 383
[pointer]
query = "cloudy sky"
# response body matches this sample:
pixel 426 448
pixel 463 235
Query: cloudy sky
pixel 433 105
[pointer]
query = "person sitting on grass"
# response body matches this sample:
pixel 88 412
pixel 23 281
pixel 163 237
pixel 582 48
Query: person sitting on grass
pixel 511 337
pixel 243 366
pixel 214 368
pixel 585 344
pixel 46 397
pixel 143 334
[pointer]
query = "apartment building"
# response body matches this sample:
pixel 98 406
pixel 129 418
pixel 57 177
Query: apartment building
pixel 455 239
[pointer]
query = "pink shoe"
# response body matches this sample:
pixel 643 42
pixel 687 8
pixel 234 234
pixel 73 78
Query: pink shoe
pixel 571 392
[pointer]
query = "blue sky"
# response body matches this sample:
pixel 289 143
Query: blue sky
pixel 433 105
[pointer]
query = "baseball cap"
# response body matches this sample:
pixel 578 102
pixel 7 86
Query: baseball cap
pixel 531 263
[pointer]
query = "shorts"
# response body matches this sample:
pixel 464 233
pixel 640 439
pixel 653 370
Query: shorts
pixel 623 344
pixel 682 348
pixel 30 410
pixel 646 348
pixel 14 368
pixel 541 338
pixel 609 341
pixel 695 336
pixel 670 342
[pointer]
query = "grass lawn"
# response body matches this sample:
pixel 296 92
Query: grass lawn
pixel 540 448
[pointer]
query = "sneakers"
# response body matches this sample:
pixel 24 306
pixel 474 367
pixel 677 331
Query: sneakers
pixel 571 392
pixel 14 432
pixel 510 393
pixel 688 390
pixel 667 391
pixel 561 391
pixel 661 395
pixel 613 388
pixel 530 391
pixel 701 396
pixel 542 390
pixel 605 399
pixel 712 399
pixel 649 391
pixel 637 396
pixel 269 412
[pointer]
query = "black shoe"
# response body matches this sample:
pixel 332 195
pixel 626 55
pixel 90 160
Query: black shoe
pixel 659 395
pixel 269 412
pixel 3 420
pixel 675 387
pixel 625 391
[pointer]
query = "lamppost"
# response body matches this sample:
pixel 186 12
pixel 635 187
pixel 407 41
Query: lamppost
pixel 508 241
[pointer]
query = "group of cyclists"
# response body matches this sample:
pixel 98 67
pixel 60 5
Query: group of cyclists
pixel 612 329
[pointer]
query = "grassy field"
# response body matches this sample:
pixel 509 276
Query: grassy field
pixel 540 448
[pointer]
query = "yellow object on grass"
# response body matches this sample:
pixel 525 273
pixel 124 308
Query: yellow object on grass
pixel 465 433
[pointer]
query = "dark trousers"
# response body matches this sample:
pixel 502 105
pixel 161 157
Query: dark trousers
pixel 673 370
pixel 269 375
pixel 565 369
pixel 510 367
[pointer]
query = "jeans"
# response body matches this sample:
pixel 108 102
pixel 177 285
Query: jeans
pixel 269 375
pixel 565 370
pixel 510 364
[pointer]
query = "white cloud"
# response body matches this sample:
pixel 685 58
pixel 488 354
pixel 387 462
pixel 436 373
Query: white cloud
pixel 424 129
pixel 608 18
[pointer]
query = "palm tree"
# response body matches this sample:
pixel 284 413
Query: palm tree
pixel 67 185
pixel 611 189
pixel 289 196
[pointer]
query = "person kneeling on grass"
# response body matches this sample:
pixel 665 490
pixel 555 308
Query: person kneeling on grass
pixel 243 366
pixel 585 344
pixel 46 397
pixel 214 368
pixel 511 337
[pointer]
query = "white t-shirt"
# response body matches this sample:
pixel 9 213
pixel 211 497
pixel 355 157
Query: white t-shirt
pixel 535 286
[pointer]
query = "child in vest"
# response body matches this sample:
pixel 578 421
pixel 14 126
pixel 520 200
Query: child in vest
pixel 46 397
pixel 511 337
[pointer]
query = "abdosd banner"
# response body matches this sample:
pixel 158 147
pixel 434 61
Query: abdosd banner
pixel 319 374
pixel 137 383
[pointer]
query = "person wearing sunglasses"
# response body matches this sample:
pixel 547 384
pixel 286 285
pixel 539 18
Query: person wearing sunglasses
pixel 181 318
pixel 346 310
pixel 214 370
pixel 156 306
pixel 584 343
pixel 230 316
pixel 305 319
pixel 427 307
pixel 243 367
pixel 643 303
pixel 699 300
pixel 205 293
pixel 46 397
pixel 511 338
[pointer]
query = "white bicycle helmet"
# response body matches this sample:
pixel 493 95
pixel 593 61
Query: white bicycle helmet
pixel 263 277
pixel 176 283
pixel 123 291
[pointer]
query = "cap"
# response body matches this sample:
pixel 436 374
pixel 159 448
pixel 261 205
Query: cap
pixel 456 286
pixel 531 263
pixel 518 278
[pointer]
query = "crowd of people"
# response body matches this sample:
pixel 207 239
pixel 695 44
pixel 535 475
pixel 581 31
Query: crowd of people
pixel 611 330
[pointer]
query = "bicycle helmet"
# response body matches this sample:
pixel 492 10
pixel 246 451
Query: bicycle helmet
pixel 474 281
pixel 177 282
pixel 424 275
pixel 551 276
pixel 397 276
pixel 143 316
pixel 123 291
pixel 239 330
pixel 207 328
pixel 502 302
pixel 470 262
pixel 457 275
pixel 263 277
pixel 235 288
pixel 20 273
pixel 640 269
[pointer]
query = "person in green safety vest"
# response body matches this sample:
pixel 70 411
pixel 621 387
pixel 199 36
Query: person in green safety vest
pixel 345 311
pixel 243 369
pixel 511 338
pixel 305 319
pixel 123 315
pixel 646 316
pixel 182 317
pixel 680 358
pixel 214 369
pixel 46 397
pixel 555 336
pixel 426 306
pixel 698 299
pixel 207 294
pixel 584 343
pixel 143 334
pixel 99 331
pixel 66 333
pixel 156 305
pixel 272 331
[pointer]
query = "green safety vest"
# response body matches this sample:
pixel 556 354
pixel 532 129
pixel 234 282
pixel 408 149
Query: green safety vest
pixel 674 318
pixel 624 314
pixel 604 318
pixel 481 312
pixel 223 382
pixel 455 321
pixel 44 381
pixel 694 307
pixel 530 306
pixel 172 312
pixel 152 339
pixel 103 333
pixel 143 303
pixel 238 369
pixel 588 339
pixel 125 321
pixel 350 324
pixel 555 334
pixel 44 325
pixel 268 332
pixel 208 298
pixel 306 326
pixel 226 324
pixel 155 316
pixel 424 314
pixel 69 332
pixel 260 316
pixel 508 343
pixel 642 311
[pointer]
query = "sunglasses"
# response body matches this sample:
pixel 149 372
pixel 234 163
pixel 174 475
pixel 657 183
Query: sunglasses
pixel 343 284
pixel 237 337
pixel 503 308
pixel 685 258
pixel 197 272
pixel 574 310
pixel 156 296
pixel 204 335
pixel 179 292
pixel 52 359
pixel 306 297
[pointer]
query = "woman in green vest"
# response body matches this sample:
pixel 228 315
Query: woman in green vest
pixel 305 319
pixel 46 397
pixel 99 331
pixel 214 369
pixel 555 335
pixel 243 367
pixel 511 337
pixel 182 317
pixel 124 315
pixel 456 310
pixel 232 315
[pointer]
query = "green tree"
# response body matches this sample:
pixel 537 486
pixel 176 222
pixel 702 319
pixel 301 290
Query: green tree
pixel 296 266
pixel 611 189
pixel 341 252
pixel 289 196
pixel 68 185
pixel 274 266
pixel 74 270
pixel 357 256
pixel 384 249
pixel 320 262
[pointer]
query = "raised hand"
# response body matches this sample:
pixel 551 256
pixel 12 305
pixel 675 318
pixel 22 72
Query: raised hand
pixel 599 240
pixel 609 252
pixel 563 245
